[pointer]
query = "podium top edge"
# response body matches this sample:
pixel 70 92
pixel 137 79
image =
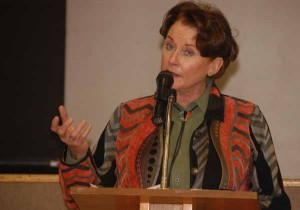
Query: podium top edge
pixel 165 192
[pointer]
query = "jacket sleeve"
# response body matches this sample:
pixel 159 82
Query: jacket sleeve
pixel 97 167
pixel 82 173
pixel 266 178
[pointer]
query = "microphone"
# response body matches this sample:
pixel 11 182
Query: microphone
pixel 164 82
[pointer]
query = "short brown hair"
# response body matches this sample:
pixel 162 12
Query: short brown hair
pixel 214 38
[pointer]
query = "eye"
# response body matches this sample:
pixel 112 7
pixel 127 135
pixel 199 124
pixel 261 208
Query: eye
pixel 169 46
pixel 188 52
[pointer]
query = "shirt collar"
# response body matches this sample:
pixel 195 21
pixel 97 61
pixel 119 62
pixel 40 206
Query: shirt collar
pixel 202 101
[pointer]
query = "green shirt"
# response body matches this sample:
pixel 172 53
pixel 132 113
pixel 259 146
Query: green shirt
pixel 180 172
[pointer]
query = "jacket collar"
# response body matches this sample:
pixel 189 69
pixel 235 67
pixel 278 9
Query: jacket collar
pixel 215 108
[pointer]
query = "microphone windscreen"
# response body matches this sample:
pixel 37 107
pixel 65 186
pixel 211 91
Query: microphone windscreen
pixel 164 82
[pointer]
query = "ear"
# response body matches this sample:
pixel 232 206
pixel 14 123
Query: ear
pixel 215 66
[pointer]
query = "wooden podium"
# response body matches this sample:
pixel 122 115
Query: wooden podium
pixel 158 199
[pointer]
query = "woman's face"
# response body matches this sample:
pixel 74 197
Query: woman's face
pixel 181 57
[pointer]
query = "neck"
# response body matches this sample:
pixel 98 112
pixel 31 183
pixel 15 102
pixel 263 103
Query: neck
pixel 185 97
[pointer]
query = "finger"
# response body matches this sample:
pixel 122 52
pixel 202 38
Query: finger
pixel 62 129
pixel 63 113
pixel 70 129
pixel 77 130
pixel 54 124
pixel 86 131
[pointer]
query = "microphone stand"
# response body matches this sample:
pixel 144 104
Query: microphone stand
pixel 166 139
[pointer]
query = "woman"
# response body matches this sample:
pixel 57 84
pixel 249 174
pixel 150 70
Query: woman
pixel 217 141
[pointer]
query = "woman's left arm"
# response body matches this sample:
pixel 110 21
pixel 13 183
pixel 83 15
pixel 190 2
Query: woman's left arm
pixel 266 178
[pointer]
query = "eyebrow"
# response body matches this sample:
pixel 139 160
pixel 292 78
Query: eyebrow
pixel 189 45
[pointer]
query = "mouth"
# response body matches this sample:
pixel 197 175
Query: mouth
pixel 174 75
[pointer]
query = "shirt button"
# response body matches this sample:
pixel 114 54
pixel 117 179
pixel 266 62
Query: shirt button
pixel 194 171
pixel 177 180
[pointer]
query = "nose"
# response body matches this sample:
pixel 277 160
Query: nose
pixel 173 59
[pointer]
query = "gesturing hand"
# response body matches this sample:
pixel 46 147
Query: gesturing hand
pixel 73 137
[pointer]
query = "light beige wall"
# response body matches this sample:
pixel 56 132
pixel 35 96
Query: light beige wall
pixel 113 55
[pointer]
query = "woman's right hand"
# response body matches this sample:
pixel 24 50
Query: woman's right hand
pixel 73 137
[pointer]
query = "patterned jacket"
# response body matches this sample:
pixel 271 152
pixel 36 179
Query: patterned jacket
pixel 232 149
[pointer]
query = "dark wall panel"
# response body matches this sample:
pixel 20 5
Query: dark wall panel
pixel 32 82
